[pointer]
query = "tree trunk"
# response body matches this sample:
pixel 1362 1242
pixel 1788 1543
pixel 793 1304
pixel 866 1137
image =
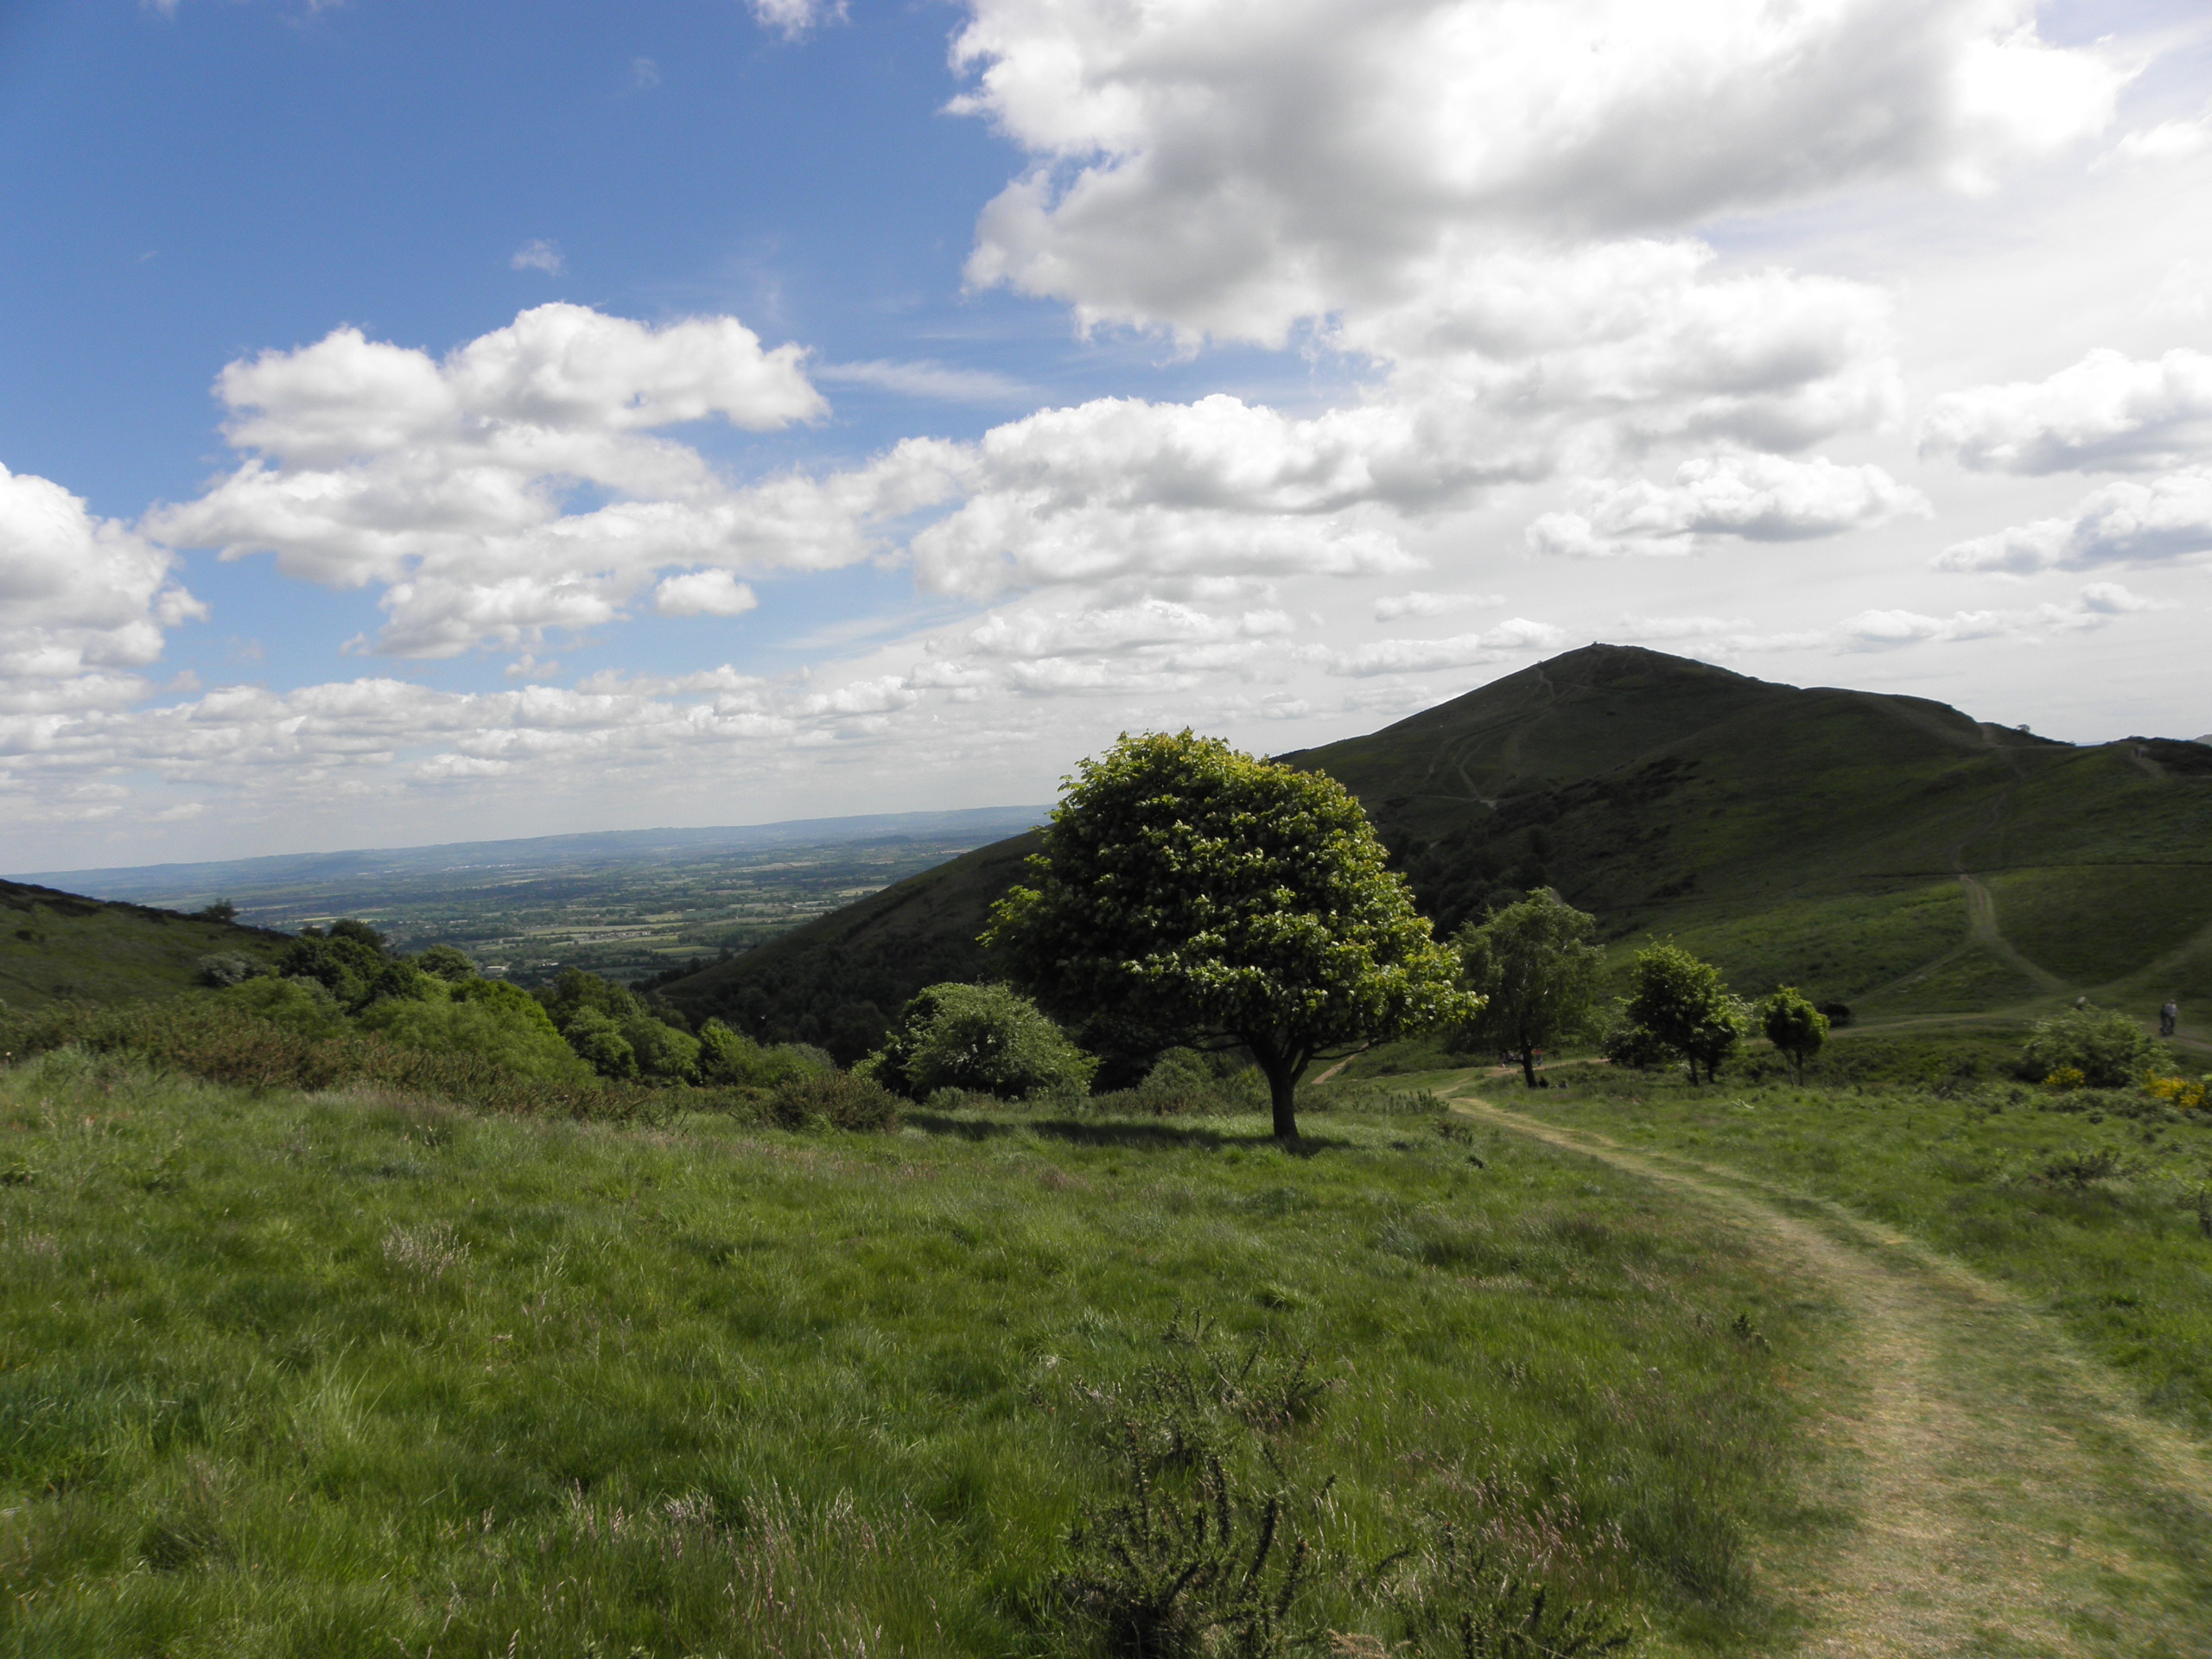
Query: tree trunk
pixel 1528 1065
pixel 1282 1073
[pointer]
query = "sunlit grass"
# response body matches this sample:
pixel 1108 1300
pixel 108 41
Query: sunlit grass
pixel 353 1374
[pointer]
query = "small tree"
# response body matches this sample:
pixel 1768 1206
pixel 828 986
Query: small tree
pixel 1793 1026
pixel 1684 1005
pixel 1533 964
pixel 1209 897
pixel 987 1039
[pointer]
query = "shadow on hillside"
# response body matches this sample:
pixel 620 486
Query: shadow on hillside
pixel 1112 1132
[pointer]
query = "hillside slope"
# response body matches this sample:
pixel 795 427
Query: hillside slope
pixel 56 946
pixel 1885 851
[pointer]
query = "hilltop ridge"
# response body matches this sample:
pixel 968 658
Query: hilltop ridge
pixel 1888 851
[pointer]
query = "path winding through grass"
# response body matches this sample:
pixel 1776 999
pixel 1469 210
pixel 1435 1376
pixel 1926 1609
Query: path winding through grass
pixel 2009 1499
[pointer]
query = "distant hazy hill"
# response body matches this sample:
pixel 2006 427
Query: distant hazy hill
pixel 1885 851
pixel 57 945
pixel 200 884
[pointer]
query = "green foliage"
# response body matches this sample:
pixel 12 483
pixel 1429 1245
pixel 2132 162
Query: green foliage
pixel 1793 1025
pixel 1196 891
pixel 2108 1047
pixel 228 968
pixel 662 1051
pixel 987 1040
pixel 599 1042
pixel 224 1039
pixel 731 1058
pixel 836 1100
pixel 302 1006
pixel 443 962
pixel 345 961
pixel 1537 973
pixel 1680 1005
pixel 1206 1546
pixel 510 1031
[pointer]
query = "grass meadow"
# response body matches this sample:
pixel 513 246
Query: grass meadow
pixel 337 1373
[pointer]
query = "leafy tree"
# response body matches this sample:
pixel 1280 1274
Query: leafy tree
pixel 344 961
pixel 987 1039
pixel 599 1042
pixel 2108 1047
pixel 303 1006
pixel 443 962
pixel 221 911
pixel 1537 971
pixel 732 1060
pixel 510 1030
pixel 1793 1026
pixel 662 1051
pixel 1211 897
pixel 1683 1005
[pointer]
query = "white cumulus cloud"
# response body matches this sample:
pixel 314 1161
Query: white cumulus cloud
pixel 454 484
pixel 1755 497
pixel 84 601
pixel 703 593
pixel 2124 522
pixel 2106 413
pixel 1219 166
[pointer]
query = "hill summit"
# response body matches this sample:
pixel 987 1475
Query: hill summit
pixel 1885 851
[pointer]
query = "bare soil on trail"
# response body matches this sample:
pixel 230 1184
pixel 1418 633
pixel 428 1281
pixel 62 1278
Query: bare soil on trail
pixel 2007 1497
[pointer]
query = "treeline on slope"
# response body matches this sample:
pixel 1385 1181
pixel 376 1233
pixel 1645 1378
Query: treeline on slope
pixel 339 1007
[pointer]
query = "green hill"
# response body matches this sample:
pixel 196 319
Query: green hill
pixel 1887 852
pixel 57 946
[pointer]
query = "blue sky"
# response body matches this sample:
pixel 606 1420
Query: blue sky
pixel 426 421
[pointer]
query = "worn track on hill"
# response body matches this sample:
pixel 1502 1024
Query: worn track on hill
pixel 2009 1499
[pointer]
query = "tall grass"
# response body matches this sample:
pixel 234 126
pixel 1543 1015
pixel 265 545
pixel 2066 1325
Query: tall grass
pixel 349 1372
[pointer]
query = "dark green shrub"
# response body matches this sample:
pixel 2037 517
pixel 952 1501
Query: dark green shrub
pixel 599 1042
pixel 985 1039
pixel 2108 1048
pixel 840 1100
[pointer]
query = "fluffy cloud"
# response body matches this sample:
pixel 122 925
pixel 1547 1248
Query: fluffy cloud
pixel 1152 624
pixel 1467 650
pixel 2106 413
pixel 1757 498
pixel 83 602
pixel 1222 167
pixel 453 483
pixel 1887 630
pixel 703 593
pixel 1391 606
pixel 2123 522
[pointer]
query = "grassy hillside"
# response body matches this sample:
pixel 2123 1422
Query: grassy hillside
pixel 1887 852
pixel 837 982
pixel 341 1375
pixel 57 946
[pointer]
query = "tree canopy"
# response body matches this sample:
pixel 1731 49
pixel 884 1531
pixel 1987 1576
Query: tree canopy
pixel 1682 1006
pixel 1203 894
pixel 1793 1025
pixel 1534 965
pixel 989 1040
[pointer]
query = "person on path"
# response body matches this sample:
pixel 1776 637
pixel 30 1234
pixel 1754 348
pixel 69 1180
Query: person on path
pixel 2169 1018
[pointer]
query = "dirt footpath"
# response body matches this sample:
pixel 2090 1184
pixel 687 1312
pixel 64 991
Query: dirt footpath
pixel 2009 1499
